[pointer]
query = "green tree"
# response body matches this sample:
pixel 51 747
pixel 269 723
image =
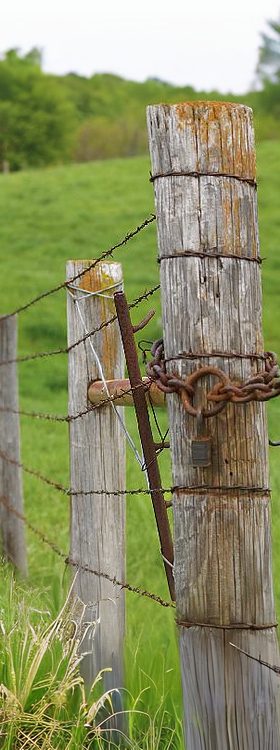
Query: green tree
pixel 36 117
pixel 269 54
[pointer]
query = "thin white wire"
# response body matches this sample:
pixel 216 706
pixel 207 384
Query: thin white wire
pixel 102 376
pixel 101 372
pixel 98 293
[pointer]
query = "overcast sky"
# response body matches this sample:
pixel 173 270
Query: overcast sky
pixel 206 43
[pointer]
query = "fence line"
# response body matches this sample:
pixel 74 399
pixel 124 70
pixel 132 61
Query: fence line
pixel 197 488
pixel 73 563
pixel 86 563
pixel 75 493
pixel 106 254
pixel 67 417
pixel 67 349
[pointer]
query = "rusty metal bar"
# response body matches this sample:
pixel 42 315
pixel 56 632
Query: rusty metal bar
pixel 97 392
pixel 146 436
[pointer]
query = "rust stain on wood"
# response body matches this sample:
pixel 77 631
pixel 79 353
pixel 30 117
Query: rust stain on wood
pixel 95 280
pixel 226 121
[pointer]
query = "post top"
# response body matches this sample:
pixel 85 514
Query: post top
pixel 203 137
pixel 87 262
pixel 203 104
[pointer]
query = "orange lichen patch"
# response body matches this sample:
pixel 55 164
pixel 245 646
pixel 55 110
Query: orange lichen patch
pixel 185 114
pixel 213 107
pixel 101 277
pixel 223 132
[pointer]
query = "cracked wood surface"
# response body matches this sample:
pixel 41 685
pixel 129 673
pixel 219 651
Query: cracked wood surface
pixel 222 543
pixel 12 528
pixel 97 460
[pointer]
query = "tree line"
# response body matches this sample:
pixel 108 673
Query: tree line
pixel 47 119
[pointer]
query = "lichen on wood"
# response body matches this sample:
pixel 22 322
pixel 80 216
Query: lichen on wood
pixel 222 544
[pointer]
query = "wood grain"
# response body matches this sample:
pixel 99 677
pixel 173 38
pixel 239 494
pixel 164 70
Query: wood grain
pixel 12 528
pixel 222 540
pixel 97 457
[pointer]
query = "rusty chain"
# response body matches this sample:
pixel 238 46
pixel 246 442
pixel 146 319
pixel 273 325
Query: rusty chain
pixel 263 386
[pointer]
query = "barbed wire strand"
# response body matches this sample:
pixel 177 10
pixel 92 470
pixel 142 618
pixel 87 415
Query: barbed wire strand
pixel 70 417
pixel 67 349
pixel 106 254
pixel 66 490
pixel 102 376
pixel 79 566
pixel 198 488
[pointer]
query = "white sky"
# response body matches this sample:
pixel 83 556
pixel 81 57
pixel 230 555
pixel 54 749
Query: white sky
pixel 205 43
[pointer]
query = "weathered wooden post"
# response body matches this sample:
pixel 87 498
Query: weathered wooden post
pixel 97 461
pixel 203 163
pixel 12 528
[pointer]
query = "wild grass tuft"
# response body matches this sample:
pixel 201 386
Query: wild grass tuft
pixel 43 701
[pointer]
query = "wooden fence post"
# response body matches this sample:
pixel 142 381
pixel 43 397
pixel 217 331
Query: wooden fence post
pixel 211 304
pixel 97 461
pixel 12 528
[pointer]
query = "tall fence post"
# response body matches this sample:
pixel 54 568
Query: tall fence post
pixel 97 461
pixel 203 163
pixel 12 528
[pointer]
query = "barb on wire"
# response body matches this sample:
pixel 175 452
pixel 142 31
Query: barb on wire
pixel 273 667
pixel 197 488
pixel 67 349
pixel 33 472
pixel 122 584
pixel 86 568
pixel 106 254
pixel 101 373
pixel 68 417
pixel 40 534
pixel 72 492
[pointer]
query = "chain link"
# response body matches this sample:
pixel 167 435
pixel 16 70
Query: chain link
pixel 263 386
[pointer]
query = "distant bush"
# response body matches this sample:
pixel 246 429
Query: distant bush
pixel 36 119
pixel 46 119
pixel 99 138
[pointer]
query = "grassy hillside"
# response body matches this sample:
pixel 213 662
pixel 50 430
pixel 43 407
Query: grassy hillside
pixel 47 217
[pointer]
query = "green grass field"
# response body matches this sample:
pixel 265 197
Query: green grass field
pixel 47 217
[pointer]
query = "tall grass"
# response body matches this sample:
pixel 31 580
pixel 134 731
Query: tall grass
pixel 43 701
pixel 46 218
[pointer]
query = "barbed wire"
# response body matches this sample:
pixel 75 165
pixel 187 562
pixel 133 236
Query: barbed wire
pixel 106 254
pixel 72 417
pixel 66 490
pixel 67 349
pixel 79 566
pixel 197 488
pixel 101 372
